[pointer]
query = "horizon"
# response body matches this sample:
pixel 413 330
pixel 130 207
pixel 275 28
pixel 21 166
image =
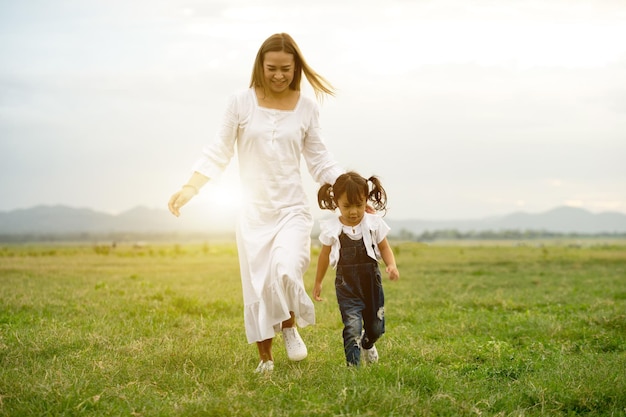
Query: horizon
pixel 64 222
pixel 195 211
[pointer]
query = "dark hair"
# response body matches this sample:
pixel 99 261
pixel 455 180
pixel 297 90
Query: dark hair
pixel 284 42
pixel 355 187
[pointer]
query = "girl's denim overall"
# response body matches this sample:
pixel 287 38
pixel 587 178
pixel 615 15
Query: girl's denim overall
pixel 360 296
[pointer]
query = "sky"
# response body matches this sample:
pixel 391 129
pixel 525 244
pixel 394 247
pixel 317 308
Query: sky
pixel 464 109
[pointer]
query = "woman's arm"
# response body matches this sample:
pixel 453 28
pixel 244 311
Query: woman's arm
pixel 319 160
pixel 214 158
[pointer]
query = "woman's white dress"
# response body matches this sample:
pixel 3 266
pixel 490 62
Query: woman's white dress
pixel 274 228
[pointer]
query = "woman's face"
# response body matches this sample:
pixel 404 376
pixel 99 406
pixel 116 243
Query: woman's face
pixel 351 213
pixel 278 70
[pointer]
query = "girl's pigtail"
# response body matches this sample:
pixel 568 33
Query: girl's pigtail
pixel 325 198
pixel 377 195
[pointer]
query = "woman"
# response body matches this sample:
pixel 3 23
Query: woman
pixel 272 126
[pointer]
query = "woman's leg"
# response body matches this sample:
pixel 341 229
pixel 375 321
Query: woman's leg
pixel 290 259
pixel 289 322
pixel 296 349
pixel 265 350
pixel 265 353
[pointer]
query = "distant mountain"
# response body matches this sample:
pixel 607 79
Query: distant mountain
pixel 57 220
pixel 558 220
pixel 51 220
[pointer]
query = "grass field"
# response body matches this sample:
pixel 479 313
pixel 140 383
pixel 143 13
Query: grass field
pixel 489 330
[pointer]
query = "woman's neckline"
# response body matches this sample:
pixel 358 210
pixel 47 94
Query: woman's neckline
pixel 256 102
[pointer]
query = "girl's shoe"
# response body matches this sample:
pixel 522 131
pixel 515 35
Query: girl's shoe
pixel 264 367
pixel 296 349
pixel 370 355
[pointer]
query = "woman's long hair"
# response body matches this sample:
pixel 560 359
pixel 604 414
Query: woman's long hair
pixel 284 42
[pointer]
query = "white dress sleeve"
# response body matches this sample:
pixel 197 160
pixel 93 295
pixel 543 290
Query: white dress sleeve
pixel 217 154
pixel 320 162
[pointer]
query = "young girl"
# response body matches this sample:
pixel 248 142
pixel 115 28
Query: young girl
pixel 352 243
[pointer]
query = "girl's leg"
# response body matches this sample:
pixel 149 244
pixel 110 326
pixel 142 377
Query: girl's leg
pixel 374 312
pixel 352 338
pixel 373 325
pixel 351 308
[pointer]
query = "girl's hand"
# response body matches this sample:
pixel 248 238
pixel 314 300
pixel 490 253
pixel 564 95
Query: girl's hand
pixel 179 199
pixel 393 272
pixel 317 292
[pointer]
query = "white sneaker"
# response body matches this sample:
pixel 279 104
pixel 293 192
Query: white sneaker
pixel 370 355
pixel 264 367
pixel 296 349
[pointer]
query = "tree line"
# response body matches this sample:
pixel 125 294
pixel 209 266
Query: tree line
pixel 453 234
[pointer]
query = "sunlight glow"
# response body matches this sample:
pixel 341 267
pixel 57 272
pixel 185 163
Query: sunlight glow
pixel 225 196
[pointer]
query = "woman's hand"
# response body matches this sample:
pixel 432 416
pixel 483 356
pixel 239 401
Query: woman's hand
pixel 180 198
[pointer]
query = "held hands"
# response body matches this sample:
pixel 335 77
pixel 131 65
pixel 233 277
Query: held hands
pixel 180 198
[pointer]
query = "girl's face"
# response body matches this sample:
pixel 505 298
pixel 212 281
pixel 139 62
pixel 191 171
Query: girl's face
pixel 278 70
pixel 351 213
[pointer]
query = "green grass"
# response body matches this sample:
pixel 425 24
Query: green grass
pixel 158 331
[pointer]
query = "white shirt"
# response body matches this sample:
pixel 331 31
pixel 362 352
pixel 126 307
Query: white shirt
pixel 372 228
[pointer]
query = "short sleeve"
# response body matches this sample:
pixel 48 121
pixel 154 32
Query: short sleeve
pixel 329 236
pixel 328 232
pixel 380 229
